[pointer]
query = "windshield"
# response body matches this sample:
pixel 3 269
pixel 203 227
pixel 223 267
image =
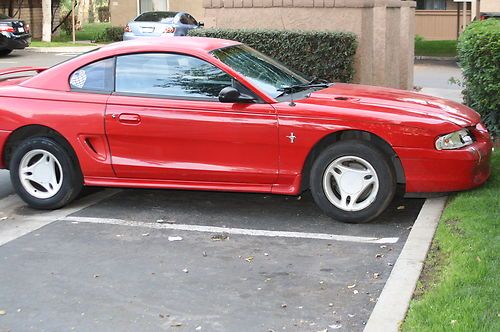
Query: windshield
pixel 262 71
pixel 156 17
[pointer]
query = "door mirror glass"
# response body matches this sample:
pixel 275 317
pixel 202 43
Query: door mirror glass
pixel 232 95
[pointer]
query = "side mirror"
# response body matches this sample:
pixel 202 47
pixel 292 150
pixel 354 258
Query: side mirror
pixel 232 95
pixel 201 24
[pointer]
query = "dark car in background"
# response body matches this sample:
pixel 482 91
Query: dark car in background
pixel 158 24
pixel 14 34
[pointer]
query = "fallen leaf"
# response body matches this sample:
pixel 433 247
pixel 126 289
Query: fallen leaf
pixel 299 198
pixel 220 237
pixel 379 255
pixel 453 322
pixel 176 324
pixel 96 276
pixel 266 254
pixel 401 207
pixel 390 264
pixel 205 254
pixel 478 258
pixel 330 304
pixel 376 275
pixel 2 312
pixel 351 286
pixel 174 238
pixel 335 326
pixel 185 270
pixel 284 305
pixel 249 259
pixel 383 246
pixel 198 328
pixel 355 291
pixel 351 315
pixel 3 218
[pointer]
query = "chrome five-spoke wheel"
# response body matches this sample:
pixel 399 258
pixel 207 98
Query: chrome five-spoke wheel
pixel 350 183
pixel 40 173
pixel 353 181
pixel 45 172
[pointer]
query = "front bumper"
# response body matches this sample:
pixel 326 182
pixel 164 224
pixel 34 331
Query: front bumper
pixel 14 42
pixel 429 171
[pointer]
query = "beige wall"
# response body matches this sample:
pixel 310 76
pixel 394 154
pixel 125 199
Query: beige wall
pixel 438 24
pixel 122 11
pixel 490 6
pixel 385 29
pixel 33 17
pixel 193 7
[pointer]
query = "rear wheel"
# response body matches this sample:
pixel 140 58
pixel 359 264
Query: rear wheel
pixel 43 173
pixel 5 52
pixel 352 181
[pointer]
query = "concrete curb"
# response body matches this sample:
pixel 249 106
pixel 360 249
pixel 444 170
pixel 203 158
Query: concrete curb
pixel 64 49
pixel 391 308
pixel 436 58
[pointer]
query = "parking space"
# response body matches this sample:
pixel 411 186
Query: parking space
pixel 150 259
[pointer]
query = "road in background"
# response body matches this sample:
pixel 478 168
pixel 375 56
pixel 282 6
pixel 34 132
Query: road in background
pixel 434 76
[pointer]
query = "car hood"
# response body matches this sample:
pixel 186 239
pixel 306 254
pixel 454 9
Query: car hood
pixel 400 102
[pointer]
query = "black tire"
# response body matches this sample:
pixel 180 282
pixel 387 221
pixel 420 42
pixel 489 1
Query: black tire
pixel 5 52
pixel 369 153
pixel 72 179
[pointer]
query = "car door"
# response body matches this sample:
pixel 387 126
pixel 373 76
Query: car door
pixel 165 122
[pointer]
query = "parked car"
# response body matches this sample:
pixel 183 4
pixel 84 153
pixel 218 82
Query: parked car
pixel 213 114
pixel 14 34
pixel 156 24
pixel 485 16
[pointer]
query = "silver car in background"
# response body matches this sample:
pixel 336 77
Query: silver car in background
pixel 157 24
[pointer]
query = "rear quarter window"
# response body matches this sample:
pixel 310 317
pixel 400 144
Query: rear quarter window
pixel 95 77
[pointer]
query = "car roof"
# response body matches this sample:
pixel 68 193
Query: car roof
pixel 169 44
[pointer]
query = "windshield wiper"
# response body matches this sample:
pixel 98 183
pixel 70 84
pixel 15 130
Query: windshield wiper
pixel 298 87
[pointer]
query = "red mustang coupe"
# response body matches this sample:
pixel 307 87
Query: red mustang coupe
pixel 211 114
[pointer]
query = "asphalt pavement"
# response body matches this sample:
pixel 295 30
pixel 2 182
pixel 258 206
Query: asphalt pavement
pixel 149 260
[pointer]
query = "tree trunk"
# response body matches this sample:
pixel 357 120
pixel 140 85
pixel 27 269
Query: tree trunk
pixel 46 20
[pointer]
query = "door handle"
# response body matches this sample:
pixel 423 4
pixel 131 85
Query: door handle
pixel 129 118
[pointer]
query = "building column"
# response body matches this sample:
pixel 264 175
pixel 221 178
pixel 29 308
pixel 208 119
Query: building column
pixel 46 20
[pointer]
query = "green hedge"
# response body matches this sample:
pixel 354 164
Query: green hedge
pixel 111 34
pixel 479 57
pixel 322 54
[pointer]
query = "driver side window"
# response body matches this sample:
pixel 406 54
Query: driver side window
pixel 169 75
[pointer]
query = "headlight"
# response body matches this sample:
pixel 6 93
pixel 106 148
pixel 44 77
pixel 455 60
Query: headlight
pixel 455 140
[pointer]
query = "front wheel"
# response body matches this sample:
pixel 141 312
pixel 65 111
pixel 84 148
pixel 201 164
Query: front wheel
pixel 352 181
pixel 43 173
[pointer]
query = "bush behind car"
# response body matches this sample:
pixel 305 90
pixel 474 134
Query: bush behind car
pixel 479 57
pixel 325 54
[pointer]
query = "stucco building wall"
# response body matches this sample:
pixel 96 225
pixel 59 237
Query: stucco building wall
pixel 385 29
pixel 31 13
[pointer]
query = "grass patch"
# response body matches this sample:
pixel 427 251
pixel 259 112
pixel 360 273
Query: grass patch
pixel 458 289
pixel 89 31
pixel 444 48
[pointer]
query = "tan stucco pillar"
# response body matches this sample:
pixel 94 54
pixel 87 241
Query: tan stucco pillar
pixel 385 29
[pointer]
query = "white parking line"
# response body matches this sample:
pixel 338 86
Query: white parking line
pixel 236 231
pixel 18 225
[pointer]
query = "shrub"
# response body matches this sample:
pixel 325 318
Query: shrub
pixel 322 54
pixel 479 57
pixel 111 34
